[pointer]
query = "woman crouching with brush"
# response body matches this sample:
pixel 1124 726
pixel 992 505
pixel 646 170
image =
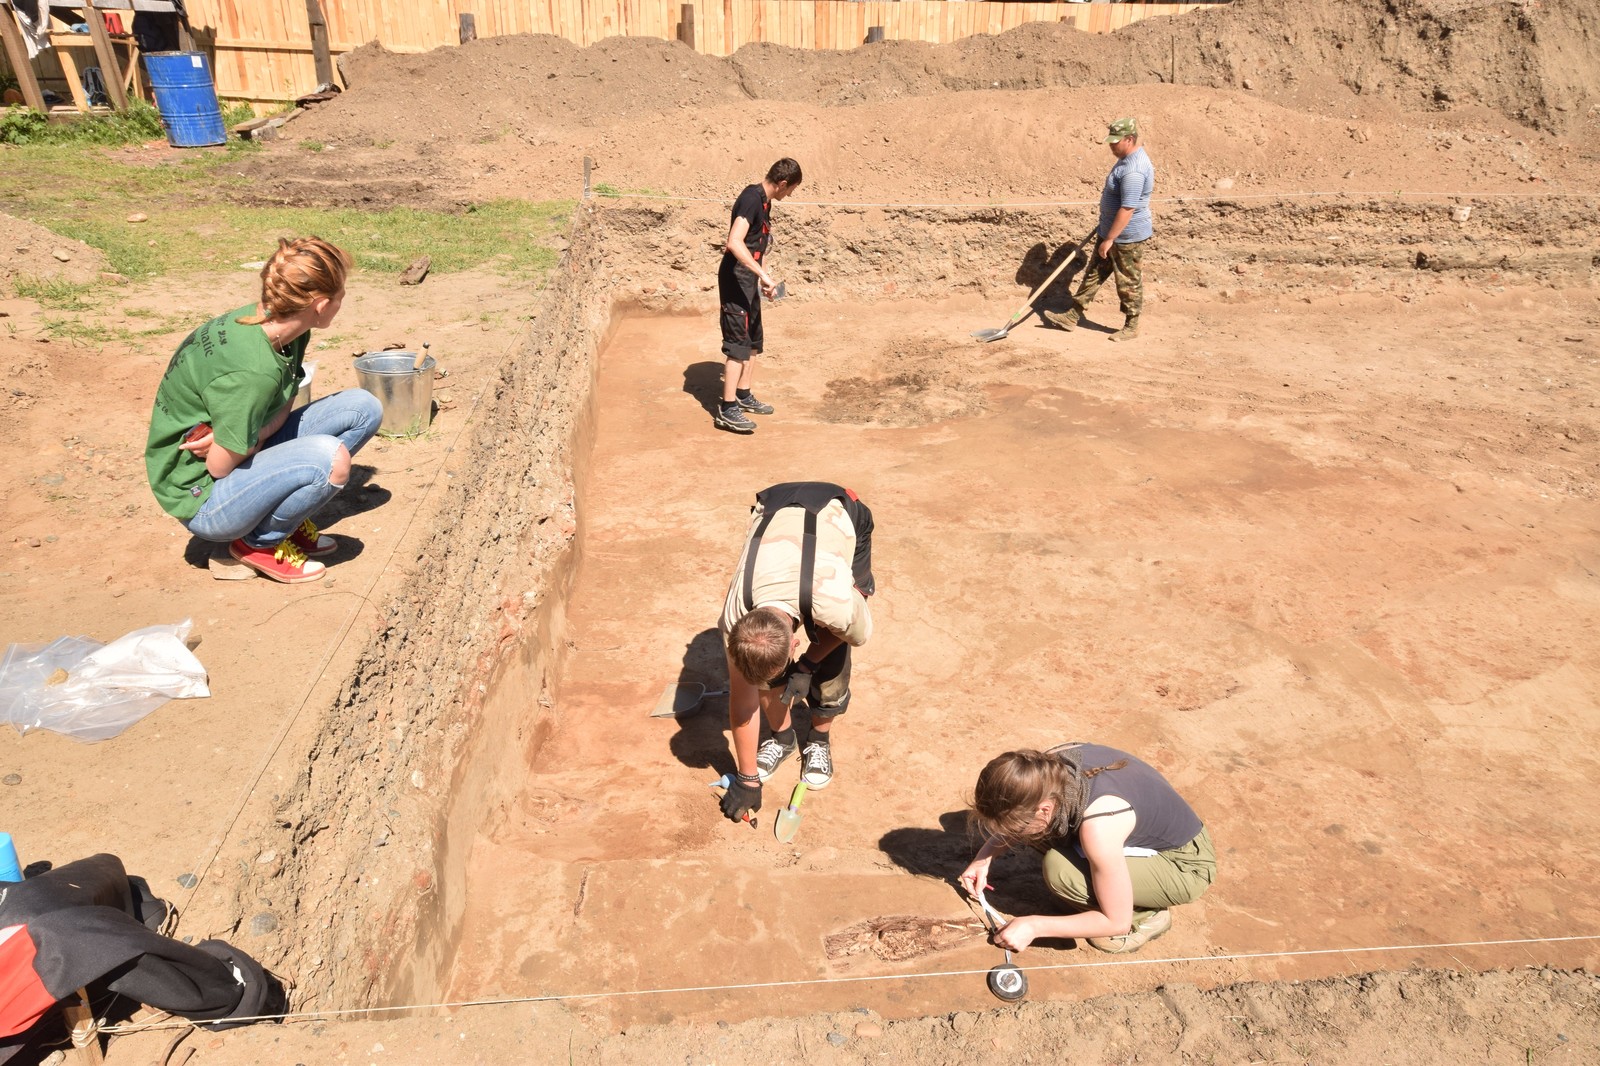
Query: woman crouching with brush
pixel 1121 847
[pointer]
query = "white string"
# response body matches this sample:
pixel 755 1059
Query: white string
pixel 1397 194
pixel 799 982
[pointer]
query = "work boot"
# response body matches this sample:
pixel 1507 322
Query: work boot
pixel 1067 319
pixel 730 417
pixel 816 765
pixel 1142 933
pixel 772 754
pixel 1129 330
pixel 754 406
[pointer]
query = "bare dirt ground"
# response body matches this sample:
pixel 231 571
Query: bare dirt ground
pixel 1320 545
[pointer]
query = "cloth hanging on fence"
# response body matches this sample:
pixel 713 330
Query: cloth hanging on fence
pixel 34 18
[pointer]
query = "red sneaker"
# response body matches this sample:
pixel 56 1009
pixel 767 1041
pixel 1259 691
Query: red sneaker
pixel 285 562
pixel 311 543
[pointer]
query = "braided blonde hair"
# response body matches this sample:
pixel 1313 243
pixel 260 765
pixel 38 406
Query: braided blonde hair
pixel 300 272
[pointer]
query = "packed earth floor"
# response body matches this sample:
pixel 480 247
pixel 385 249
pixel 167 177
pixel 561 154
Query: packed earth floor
pixel 1320 545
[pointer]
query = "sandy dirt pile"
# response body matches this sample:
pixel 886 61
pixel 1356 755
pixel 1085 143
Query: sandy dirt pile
pixel 1260 96
pixel 30 251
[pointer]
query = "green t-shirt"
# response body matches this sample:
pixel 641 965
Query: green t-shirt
pixel 229 376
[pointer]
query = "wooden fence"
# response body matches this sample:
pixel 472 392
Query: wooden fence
pixel 261 49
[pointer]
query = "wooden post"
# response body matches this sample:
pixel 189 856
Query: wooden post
pixel 469 28
pixel 588 164
pixel 319 43
pixel 17 56
pixel 110 68
pixel 79 1015
pixel 874 34
pixel 686 25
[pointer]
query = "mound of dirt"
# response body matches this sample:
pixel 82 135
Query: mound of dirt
pixel 913 382
pixel 1537 63
pixel 521 83
pixel 31 251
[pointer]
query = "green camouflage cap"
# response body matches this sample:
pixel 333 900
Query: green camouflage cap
pixel 1123 127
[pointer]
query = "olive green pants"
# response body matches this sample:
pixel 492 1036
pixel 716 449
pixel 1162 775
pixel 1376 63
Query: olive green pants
pixel 1126 264
pixel 1162 880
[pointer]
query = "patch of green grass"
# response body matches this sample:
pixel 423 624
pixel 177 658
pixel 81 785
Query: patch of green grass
pixel 87 333
pixel 312 146
pixel 139 123
pixel 87 193
pixel 610 192
pixel 58 294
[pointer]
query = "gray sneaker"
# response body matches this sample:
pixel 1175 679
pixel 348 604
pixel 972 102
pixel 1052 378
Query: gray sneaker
pixel 816 766
pixel 754 406
pixel 733 419
pixel 771 755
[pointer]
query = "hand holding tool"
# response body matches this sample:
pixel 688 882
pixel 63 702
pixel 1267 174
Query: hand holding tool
pixel 1007 981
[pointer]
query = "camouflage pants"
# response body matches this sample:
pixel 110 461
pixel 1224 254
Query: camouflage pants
pixel 1126 262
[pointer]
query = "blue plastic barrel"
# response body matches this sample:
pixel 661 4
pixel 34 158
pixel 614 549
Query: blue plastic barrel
pixel 186 98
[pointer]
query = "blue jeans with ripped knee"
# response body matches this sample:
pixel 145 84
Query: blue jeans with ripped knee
pixel 266 497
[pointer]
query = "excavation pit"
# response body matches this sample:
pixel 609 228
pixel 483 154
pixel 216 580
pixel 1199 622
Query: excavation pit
pixel 1311 573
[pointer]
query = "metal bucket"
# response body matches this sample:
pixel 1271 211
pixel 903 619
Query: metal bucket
pixel 405 392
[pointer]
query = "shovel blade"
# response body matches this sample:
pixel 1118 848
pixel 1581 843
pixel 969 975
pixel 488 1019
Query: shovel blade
pixel 987 335
pixel 786 825
pixel 678 700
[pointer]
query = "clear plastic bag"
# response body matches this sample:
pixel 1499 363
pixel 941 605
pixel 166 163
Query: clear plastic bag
pixel 91 691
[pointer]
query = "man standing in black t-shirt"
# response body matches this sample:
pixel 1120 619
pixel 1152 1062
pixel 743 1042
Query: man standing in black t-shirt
pixel 741 282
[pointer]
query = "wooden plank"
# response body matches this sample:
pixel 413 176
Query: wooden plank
pixel 17 56
pixel 110 68
pixel 69 67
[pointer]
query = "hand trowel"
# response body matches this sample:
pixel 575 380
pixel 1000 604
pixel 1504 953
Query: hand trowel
pixel 787 823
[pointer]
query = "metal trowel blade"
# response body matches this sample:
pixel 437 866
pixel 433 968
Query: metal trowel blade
pixel 780 292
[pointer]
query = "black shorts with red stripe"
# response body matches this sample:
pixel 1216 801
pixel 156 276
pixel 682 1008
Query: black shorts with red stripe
pixel 739 293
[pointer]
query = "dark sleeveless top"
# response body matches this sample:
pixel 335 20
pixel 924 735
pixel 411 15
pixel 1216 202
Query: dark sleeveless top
pixel 1164 819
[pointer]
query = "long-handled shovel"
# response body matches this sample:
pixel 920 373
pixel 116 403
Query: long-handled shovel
pixel 987 335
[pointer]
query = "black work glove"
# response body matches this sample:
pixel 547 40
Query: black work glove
pixel 740 799
pixel 797 682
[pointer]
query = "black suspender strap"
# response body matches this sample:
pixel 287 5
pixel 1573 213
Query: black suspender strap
pixel 750 559
pixel 808 566
pixel 808 562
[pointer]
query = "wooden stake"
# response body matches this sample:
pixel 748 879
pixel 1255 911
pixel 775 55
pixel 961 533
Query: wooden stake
pixel 319 43
pixel 686 25
pixel 79 1015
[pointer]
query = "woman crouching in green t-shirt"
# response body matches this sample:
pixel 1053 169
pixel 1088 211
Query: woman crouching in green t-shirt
pixel 226 455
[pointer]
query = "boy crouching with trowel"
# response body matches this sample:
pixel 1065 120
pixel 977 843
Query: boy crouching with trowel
pixel 806 568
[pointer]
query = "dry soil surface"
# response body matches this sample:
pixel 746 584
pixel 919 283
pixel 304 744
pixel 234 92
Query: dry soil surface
pixel 1326 558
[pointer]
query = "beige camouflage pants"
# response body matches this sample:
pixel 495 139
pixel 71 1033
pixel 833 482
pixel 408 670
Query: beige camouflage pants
pixel 1126 262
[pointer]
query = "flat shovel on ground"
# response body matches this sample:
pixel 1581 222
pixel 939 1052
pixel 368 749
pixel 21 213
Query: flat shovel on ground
pixel 682 698
pixel 987 335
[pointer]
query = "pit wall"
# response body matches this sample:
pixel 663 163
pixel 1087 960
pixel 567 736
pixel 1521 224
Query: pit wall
pixel 1214 248
pixel 455 692
pixel 451 696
